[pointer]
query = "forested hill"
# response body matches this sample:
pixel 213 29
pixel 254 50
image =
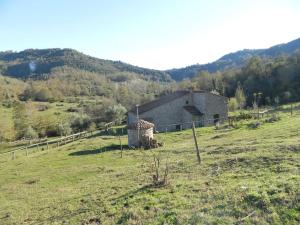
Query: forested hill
pixel 39 62
pixel 235 60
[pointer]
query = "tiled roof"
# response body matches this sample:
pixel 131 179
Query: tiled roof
pixel 193 110
pixel 160 101
pixel 141 124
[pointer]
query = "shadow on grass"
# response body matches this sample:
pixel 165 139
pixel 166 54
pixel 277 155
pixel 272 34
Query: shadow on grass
pixel 108 148
pixel 146 189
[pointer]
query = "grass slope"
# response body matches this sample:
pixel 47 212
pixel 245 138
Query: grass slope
pixel 55 113
pixel 248 176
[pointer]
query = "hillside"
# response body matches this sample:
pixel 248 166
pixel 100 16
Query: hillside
pixel 38 62
pixel 235 60
pixel 10 88
pixel 247 176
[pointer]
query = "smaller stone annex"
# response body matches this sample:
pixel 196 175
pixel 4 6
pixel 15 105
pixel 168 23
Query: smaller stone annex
pixel 177 110
pixel 140 133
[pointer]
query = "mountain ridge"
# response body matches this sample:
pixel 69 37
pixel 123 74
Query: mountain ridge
pixel 235 60
pixel 36 62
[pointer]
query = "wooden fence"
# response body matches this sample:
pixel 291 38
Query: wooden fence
pixel 43 146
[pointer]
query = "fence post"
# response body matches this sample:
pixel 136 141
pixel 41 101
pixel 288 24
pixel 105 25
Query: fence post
pixel 13 155
pixel 196 144
pixel 47 145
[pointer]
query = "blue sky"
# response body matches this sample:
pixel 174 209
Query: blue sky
pixel 158 34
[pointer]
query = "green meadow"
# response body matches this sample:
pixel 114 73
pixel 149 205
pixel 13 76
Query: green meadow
pixel 247 176
pixel 39 114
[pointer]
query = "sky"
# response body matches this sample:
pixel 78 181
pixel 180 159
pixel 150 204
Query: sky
pixel 157 34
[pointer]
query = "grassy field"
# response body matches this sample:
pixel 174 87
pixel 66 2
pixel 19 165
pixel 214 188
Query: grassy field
pixel 247 176
pixel 55 112
pixel 40 114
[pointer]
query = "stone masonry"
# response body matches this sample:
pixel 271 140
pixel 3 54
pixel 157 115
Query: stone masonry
pixel 177 110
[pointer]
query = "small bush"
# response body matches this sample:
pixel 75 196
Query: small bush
pixel 159 174
pixel 258 200
pixel 72 109
pixel 255 124
pixel 244 116
pixel 81 123
pixel 273 119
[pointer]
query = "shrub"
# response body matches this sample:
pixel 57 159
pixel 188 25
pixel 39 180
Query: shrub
pixel 255 124
pixel 274 118
pixel 63 129
pixel 159 174
pixel 233 104
pixel 72 109
pixel 259 200
pixel 81 123
pixel 244 116
pixel 30 133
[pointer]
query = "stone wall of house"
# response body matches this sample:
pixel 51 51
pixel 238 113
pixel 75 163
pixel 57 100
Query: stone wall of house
pixel 163 115
pixel 172 113
pixel 187 117
pixel 215 104
pixel 199 101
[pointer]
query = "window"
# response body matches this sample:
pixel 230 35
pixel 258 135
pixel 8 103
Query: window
pixel 186 102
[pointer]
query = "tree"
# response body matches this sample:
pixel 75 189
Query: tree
pixel 116 113
pixel 30 133
pixel 240 96
pixel 81 123
pixel 276 100
pixel 43 95
pixel 64 129
pixel 20 119
pixel 287 96
pixel 232 104
pixel 204 81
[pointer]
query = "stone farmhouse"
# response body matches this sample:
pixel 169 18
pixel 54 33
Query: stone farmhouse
pixel 177 110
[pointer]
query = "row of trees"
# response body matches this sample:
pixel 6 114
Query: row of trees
pixel 277 81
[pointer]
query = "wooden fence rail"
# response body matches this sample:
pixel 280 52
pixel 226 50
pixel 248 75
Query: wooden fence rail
pixel 46 144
